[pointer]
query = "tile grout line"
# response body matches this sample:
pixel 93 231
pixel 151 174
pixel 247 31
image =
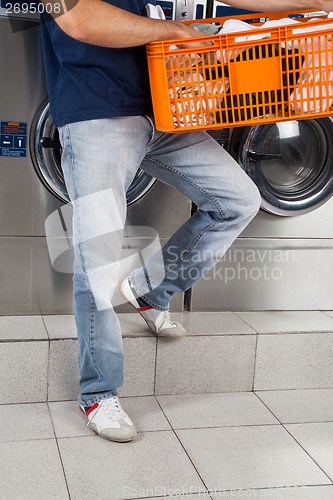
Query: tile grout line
pixel 167 496
pixel 48 366
pixel 189 335
pixel 47 332
pixel 181 444
pixel 184 394
pixel 59 452
pixel 246 322
pixel 255 361
pixel 48 371
pixel 267 488
pixel 155 367
pixel 288 331
pixel 48 407
pixel 327 315
pixel 299 444
pixel 147 431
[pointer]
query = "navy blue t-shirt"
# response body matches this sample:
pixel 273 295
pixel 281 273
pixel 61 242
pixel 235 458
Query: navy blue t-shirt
pixel 87 82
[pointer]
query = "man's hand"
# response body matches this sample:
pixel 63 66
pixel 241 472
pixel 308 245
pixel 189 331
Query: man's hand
pixel 181 30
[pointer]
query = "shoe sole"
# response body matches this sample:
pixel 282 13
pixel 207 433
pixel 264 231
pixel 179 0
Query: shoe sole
pixel 94 429
pixel 153 331
pixel 113 439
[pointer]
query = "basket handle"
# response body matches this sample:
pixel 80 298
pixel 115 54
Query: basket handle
pixel 252 38
pixel 312 29
pixel 192 45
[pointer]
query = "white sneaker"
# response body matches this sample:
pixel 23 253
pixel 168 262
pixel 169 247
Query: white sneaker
pixel 158 321
pixel 108 420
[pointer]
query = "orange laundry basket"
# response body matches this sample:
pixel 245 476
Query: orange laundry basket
pixel 236 79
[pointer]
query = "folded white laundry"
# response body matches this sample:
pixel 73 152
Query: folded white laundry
pixel 155 11
pixel 313 93
pixel 186 98
pixel 193 102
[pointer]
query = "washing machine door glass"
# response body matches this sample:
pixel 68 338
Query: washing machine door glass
pixel 290 162
pixel 46 154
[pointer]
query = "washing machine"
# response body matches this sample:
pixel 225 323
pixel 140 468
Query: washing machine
pixel 32 186
pixel 284 258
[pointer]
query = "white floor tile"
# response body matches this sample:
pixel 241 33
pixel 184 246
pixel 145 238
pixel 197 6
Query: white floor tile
pixel 132 325
pixel 22 328
pixel 289 493
pixel 329 313
pixel 63 370
pixel 139 366
pixel 60 326
pixel 22 422
pixel 205 364
pixel 249 457
pixel 308 405
pixel 153 465
pixel 23 368
pixel 215 410
pixel 31 470
pixel 302 361
pixel 69 420
pixel 288 321
pixel 317 440
pixel 214 323
pixel 145 413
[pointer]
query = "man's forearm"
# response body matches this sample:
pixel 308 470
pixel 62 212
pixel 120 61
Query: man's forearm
pixel 280 5
pixel 99 23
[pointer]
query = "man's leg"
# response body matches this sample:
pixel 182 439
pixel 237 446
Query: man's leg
pixel 100 159
pixel 226 198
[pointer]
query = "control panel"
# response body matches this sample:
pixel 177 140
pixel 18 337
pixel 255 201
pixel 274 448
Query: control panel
pixel 182 10
pixel 221 9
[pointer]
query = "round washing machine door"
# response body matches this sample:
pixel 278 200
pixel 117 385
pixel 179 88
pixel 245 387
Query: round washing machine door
pixel 290 162
pixel 46 155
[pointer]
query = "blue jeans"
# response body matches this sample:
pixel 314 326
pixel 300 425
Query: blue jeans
pixel 102 156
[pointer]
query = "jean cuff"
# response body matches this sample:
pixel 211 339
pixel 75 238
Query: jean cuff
pixel 97 399
pixel 146 299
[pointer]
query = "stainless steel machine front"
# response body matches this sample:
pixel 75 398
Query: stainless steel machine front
pixel 32 186
pixel 284 258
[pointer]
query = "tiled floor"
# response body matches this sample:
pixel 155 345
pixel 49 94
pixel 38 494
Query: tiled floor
pixel 269 444
pixel 252 445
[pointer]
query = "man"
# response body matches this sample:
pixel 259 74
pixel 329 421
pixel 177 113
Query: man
pixel 99 94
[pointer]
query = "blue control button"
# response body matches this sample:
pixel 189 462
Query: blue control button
pixel 6 141
pixel 20 142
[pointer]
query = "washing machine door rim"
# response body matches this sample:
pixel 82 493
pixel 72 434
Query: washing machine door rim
pixel 45 150
pixel 274 157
